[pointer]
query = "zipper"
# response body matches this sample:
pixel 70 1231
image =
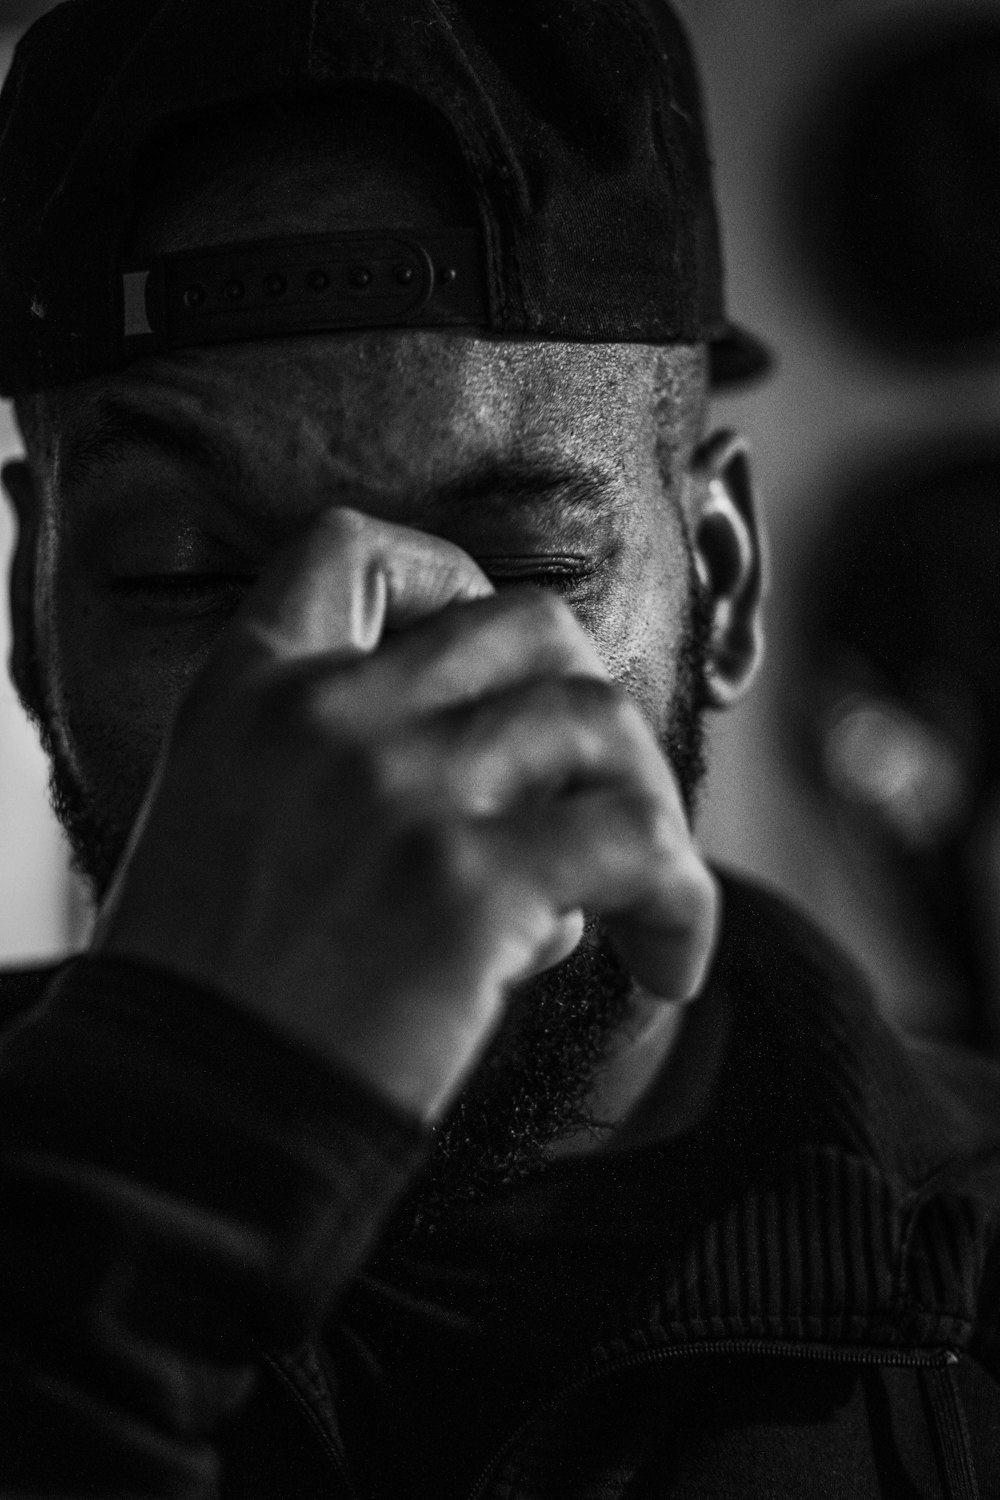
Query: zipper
pixel 338 1462
pixel 825 1353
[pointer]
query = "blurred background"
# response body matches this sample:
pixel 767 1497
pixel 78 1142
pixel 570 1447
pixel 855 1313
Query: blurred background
pixel 857 145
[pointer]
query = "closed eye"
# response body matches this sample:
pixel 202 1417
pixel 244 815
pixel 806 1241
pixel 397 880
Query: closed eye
pixel 550 572
pixel 197 593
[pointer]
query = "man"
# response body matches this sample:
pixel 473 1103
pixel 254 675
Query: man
pixel 374 572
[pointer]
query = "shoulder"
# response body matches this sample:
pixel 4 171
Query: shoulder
pixel 769 941
pixel 846 1074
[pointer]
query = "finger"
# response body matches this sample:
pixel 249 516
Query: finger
pixel 536 739
pixel 481 648
pixel 617 854
pixel 670 956
pixel 337 587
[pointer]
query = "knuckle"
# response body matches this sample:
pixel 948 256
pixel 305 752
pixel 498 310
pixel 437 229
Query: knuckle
pixel 346 535
pixel 389 774
pixel 344 527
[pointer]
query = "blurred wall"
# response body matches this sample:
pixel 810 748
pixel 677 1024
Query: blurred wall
pixel 39 904
pixel 34 892
pixel 829 400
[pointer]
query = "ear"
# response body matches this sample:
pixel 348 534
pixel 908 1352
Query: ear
pixel 730 555
pixel 19 487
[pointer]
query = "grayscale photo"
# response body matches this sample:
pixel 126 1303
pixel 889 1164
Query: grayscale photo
pixel 500 750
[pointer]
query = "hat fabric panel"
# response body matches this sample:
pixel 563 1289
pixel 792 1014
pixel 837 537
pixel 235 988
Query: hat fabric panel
pixel 587 207
pixel 136 63
pixel 602 232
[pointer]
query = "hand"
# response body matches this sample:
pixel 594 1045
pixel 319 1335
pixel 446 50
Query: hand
pixel 389 796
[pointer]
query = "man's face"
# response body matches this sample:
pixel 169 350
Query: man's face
pixel 166 489
pixel 171 486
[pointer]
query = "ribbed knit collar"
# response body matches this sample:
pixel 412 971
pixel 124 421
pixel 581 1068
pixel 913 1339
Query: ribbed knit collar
pixel 843 1186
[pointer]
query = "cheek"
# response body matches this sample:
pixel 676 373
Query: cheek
pixel 112 691
pixel 112 688
pixel 641 621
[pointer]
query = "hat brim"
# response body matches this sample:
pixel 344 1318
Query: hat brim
pixel 737 357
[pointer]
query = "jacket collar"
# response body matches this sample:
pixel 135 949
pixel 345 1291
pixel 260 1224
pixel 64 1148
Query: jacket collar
pixel 845 1185
pixel 841 1187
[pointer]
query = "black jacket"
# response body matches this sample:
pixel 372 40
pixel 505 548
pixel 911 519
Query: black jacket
pixel 798 1295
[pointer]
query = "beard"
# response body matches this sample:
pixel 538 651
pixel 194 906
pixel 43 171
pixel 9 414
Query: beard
pixel 532 1085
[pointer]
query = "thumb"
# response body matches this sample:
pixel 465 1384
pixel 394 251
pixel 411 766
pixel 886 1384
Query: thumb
pixel 345 581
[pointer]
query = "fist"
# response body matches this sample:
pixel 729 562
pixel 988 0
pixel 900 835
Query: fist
pixel 389 796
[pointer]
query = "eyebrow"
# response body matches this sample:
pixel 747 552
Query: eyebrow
pixel 121 426
pixel 576 486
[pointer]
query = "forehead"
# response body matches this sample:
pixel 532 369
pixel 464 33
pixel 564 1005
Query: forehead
pixel 398 408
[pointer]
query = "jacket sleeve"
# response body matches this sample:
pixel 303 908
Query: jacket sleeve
pixel 180 1188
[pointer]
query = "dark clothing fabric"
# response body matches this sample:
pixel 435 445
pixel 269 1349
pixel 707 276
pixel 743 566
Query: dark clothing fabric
pixel 205 1290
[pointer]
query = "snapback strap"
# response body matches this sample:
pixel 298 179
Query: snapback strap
pixel 304 284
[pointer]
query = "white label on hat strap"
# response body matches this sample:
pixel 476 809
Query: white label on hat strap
pixel 134 294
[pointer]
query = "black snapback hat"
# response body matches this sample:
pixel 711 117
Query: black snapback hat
pixel 579 122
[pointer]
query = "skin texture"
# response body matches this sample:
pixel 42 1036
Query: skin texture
pixel 155 498
pixel 117 664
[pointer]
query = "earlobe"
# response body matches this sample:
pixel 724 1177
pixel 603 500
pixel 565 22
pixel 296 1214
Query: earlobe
pixel 730 557
pixel 19 486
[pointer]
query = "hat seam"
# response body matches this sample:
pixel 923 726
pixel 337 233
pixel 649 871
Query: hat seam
pixel 500 299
